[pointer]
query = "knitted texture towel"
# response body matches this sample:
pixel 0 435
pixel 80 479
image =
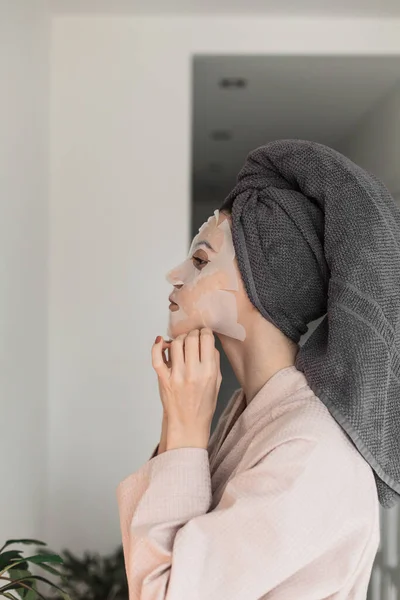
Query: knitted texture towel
pixel 315 234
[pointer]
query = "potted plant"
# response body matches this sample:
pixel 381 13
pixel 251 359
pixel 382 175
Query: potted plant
pixel 16 579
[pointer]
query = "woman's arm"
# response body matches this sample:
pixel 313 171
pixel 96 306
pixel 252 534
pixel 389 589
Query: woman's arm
pixel 279 525
pixel 163 440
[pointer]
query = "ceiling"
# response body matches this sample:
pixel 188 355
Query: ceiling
pixel 308 97
pixel 303 8
pixel 319 98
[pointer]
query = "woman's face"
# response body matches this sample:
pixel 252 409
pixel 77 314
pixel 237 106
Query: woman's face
pixel 206 283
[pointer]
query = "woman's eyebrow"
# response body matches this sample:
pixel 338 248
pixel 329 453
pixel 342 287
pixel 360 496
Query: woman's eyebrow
pixel 205 243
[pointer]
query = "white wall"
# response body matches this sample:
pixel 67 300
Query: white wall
pixel 119 214
pixel 24 33
pixel 375 141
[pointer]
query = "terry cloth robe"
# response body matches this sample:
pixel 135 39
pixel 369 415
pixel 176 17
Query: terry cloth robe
pixel 280 506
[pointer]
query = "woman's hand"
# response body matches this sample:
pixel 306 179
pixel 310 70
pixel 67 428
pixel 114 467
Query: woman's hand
pixel 189 381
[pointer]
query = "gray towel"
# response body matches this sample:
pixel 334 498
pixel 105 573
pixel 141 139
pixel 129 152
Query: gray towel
pixel 315 234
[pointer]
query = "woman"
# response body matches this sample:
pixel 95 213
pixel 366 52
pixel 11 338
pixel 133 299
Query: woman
pixel 281 502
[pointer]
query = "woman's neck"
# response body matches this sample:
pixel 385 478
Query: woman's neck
pixel 264 352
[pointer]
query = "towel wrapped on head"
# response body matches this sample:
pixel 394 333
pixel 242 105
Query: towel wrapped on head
pixel 315 234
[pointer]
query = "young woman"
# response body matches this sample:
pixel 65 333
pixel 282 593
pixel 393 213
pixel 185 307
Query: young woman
pixel 281 502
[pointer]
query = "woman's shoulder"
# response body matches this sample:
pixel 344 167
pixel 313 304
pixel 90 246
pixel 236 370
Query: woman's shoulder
pixel 304 424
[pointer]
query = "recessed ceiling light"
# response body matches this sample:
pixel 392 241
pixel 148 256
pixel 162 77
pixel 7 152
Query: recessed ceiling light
pixel 233 82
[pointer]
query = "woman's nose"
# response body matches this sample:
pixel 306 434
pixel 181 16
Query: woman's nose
pixel 173 278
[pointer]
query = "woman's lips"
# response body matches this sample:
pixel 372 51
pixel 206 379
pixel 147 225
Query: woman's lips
pixel 173 306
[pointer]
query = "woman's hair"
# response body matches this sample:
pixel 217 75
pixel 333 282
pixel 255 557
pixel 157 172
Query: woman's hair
pixel 226 211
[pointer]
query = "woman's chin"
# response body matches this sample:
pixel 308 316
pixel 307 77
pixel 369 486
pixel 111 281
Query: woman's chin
pixel 175 329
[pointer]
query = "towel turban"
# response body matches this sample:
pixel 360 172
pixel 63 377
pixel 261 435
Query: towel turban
pixel 314 235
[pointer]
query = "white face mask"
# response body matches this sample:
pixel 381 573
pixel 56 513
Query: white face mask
pixel 207 295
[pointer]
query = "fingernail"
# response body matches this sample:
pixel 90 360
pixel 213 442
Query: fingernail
pixel 158 339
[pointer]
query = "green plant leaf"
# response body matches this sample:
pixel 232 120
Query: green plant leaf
pixel 15 574
pixel 29 594
pixel 50 583
pixel 36 559
pixel 15 585
pixel 18 573
pixel 20 578
pixel 23 541
pixel 47 552
pixel 21 565
pixel 6 558
pixel 43 558
pixel 51 570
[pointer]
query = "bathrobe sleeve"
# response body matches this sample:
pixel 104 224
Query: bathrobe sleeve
pixel 272 520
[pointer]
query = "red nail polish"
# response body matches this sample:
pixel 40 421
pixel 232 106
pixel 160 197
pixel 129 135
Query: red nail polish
pixel 158 338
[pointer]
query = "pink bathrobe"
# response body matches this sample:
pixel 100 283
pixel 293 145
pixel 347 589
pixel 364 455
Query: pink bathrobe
pixel 281 505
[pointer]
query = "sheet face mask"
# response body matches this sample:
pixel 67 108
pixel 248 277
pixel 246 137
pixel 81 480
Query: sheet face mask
pixel 205 298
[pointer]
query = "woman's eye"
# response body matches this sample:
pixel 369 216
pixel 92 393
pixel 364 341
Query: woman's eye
pixel 199 263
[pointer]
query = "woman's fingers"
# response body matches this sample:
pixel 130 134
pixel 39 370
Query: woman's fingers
pixel 207 346
pixel 192 350
pixel 218 364
pixel 186 351
pixel 166 353
pixel 177 353
pixel 157 358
